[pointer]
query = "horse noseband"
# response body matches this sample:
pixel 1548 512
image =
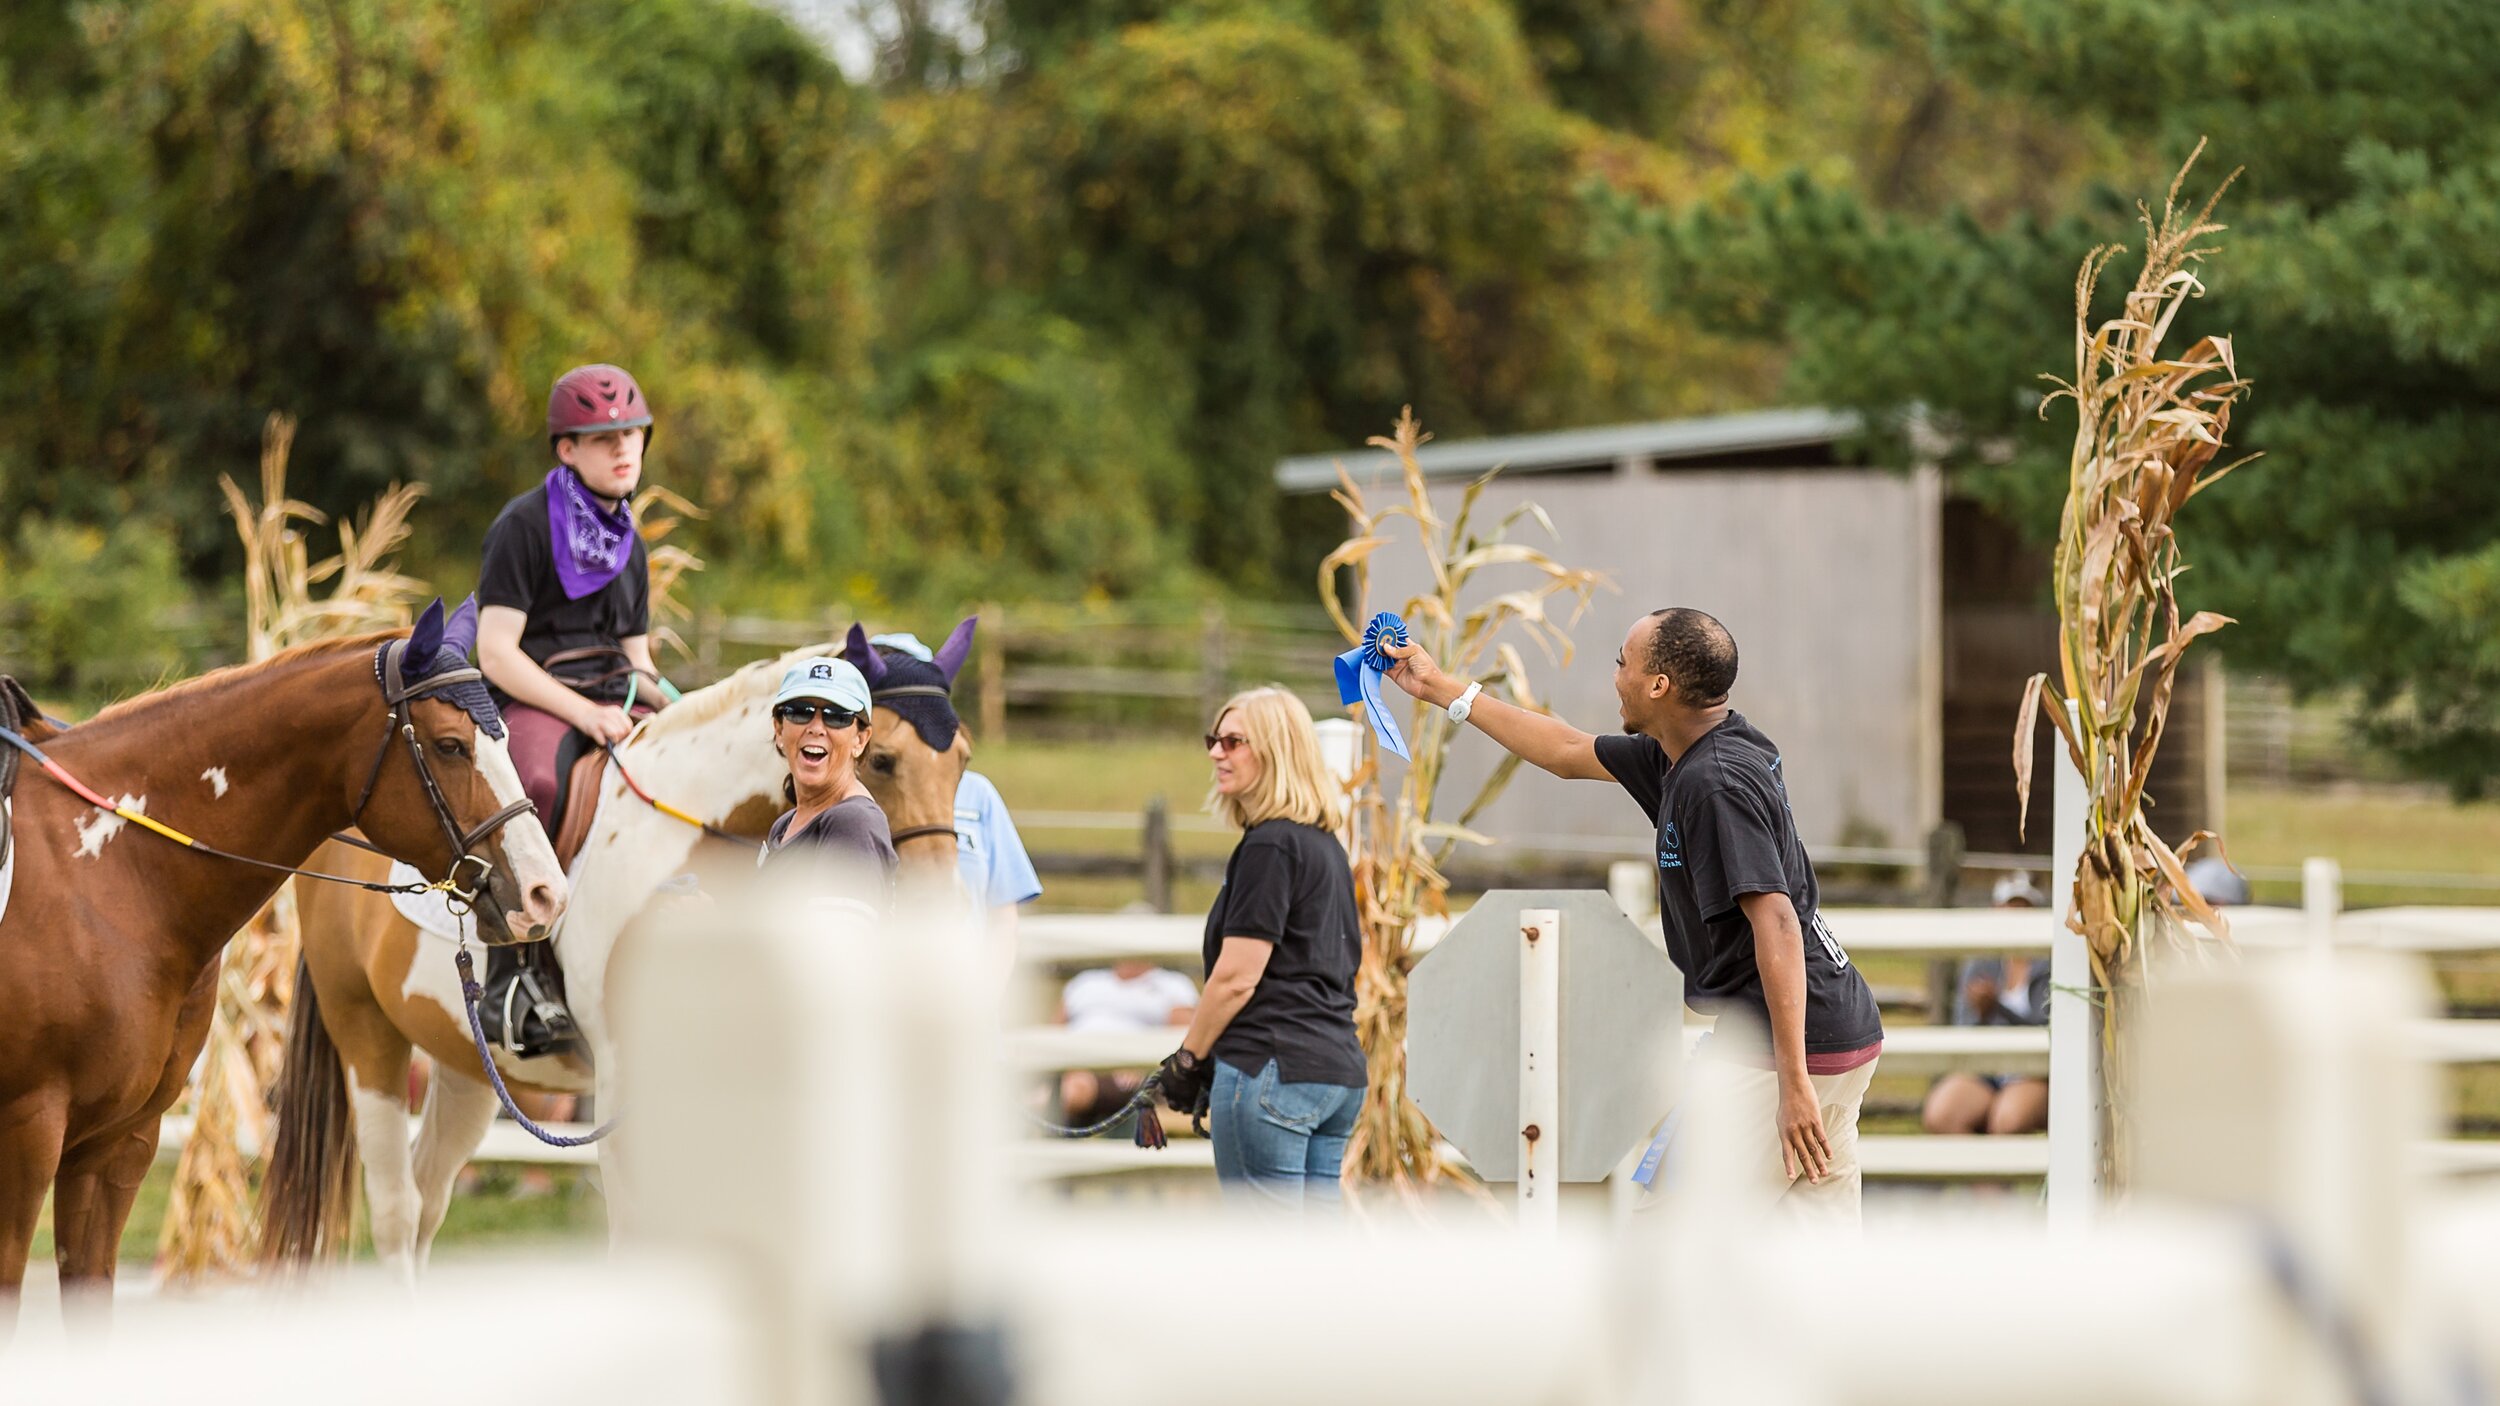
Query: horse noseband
pixel 920 832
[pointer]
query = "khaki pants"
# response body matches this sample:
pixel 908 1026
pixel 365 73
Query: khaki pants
pixel 1729 1098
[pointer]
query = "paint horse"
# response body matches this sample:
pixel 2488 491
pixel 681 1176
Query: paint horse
pixel 379 982
pixel 112 929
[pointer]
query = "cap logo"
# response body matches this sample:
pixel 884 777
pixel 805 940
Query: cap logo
pixel 820 671
pixel 614 413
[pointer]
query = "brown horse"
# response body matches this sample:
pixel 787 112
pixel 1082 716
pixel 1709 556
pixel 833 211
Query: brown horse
pixel 381 982
pixel 111 936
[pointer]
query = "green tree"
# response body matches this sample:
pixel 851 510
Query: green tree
pixel 2365 553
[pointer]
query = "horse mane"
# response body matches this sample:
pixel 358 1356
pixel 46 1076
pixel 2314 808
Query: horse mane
pixel 712 701
pixel 219 678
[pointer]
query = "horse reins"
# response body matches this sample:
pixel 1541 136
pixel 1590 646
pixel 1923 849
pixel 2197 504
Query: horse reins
pixel 910 833
pixel 461 897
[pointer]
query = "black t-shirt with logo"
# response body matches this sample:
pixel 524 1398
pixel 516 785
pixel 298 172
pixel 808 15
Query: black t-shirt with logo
pixel 519 571
pixel 1288 884
pixel 1724 831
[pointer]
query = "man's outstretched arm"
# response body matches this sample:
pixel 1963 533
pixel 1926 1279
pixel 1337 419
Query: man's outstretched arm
pixel 1535 738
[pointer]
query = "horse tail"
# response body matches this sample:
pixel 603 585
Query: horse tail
pixel 308 1194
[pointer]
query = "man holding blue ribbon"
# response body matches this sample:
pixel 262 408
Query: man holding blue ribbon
pixel 1736 894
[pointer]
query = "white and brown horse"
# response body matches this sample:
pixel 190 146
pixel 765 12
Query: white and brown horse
pixel 111 933
pixel 383 984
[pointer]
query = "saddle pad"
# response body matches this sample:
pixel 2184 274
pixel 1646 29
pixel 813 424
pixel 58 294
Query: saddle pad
pixel 430 910
pixel 8 862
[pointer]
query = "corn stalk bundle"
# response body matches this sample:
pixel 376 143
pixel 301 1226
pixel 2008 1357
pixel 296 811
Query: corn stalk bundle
pixel 208 1223
pixel 670 565
pixel 1399 850
pixel 2150 424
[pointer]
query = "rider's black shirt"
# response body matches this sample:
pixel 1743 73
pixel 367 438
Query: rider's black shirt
pixel 520 572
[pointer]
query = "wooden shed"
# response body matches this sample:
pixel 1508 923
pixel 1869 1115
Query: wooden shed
pixel 1885 627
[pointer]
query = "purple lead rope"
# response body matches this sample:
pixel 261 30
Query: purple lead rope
pixel 471 995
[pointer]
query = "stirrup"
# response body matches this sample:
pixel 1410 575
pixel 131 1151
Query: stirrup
pixel 529 1021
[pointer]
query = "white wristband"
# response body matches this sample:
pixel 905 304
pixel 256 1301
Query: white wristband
pixel 1464 703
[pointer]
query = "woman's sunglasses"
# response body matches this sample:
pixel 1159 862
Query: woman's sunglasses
pixel 1228 743
pixel 801 714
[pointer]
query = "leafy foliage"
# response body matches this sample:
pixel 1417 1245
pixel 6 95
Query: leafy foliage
pixel 2358 289
pixel 1030 311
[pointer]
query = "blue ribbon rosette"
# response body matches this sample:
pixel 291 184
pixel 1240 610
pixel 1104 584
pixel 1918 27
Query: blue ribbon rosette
pixel 1358 678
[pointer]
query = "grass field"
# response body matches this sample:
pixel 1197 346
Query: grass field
pixel 496 1207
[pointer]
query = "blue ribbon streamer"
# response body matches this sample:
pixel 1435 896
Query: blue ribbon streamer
pixel 1358 678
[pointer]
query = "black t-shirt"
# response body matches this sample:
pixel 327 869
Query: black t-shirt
pixel 520 572
pixel 1288 884
pixel 1725 831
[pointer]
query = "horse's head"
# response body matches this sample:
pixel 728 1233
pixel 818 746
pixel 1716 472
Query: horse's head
pixel 443 792
pixel 917 748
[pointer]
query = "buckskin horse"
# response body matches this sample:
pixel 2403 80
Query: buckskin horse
pixel 379 980
pixel 110 939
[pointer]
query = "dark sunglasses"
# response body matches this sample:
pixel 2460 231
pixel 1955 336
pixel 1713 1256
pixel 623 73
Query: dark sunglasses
pixel 1229 742
pixel 801 714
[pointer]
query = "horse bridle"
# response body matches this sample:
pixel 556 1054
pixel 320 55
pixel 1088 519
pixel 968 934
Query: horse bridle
pixel 398 693
pixel 909 833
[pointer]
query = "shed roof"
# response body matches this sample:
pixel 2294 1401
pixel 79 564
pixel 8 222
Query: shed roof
pixel 1701 437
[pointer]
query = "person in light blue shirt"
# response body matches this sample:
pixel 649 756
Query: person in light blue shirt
pixel 988 851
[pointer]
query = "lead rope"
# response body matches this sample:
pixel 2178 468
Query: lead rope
pixel 472 996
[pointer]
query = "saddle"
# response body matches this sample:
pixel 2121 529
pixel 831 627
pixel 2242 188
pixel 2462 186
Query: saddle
pixel 580 763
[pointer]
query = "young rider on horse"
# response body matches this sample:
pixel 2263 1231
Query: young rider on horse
pixel 565 628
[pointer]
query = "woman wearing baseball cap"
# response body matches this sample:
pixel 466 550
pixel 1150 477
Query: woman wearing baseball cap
pixel 820 727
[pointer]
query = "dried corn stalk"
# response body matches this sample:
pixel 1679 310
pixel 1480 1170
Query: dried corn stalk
pixel 208 1223
pixel 669 564
pixel 2151 424
pixel 1398 852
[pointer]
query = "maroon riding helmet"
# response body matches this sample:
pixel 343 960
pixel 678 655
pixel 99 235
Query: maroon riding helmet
pixel 588 399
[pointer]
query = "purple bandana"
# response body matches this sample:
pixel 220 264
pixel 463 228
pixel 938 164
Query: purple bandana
pixel 591 542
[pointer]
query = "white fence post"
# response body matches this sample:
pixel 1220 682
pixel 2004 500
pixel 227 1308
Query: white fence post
pixel 2074 1016
pixel 1633 884
pixel 1540 1069
pixel 2321 898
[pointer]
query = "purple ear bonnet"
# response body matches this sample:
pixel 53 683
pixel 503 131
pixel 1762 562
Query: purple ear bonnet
pixel 958 647
pixel 914 689
pixel 863 656
pixel 439 646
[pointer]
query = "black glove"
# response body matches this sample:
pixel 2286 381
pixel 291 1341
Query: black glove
pixel 1185 1079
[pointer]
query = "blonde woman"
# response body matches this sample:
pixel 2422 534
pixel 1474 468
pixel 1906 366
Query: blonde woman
pixel 1272 1048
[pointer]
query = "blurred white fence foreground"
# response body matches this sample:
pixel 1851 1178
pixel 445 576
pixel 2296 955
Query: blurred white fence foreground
pixel 816 1210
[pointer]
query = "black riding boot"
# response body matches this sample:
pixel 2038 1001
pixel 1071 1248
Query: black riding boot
pixel 523 1010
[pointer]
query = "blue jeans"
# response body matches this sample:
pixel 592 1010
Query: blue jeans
pixel 1278 1144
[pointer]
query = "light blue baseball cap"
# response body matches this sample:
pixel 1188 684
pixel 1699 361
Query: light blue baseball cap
pixel 908 644
pixel 825 679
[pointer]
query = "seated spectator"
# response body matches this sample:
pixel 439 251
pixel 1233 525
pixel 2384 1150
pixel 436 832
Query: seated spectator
pixel 2217 882
pixel 1996 991
pixel 1129 995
